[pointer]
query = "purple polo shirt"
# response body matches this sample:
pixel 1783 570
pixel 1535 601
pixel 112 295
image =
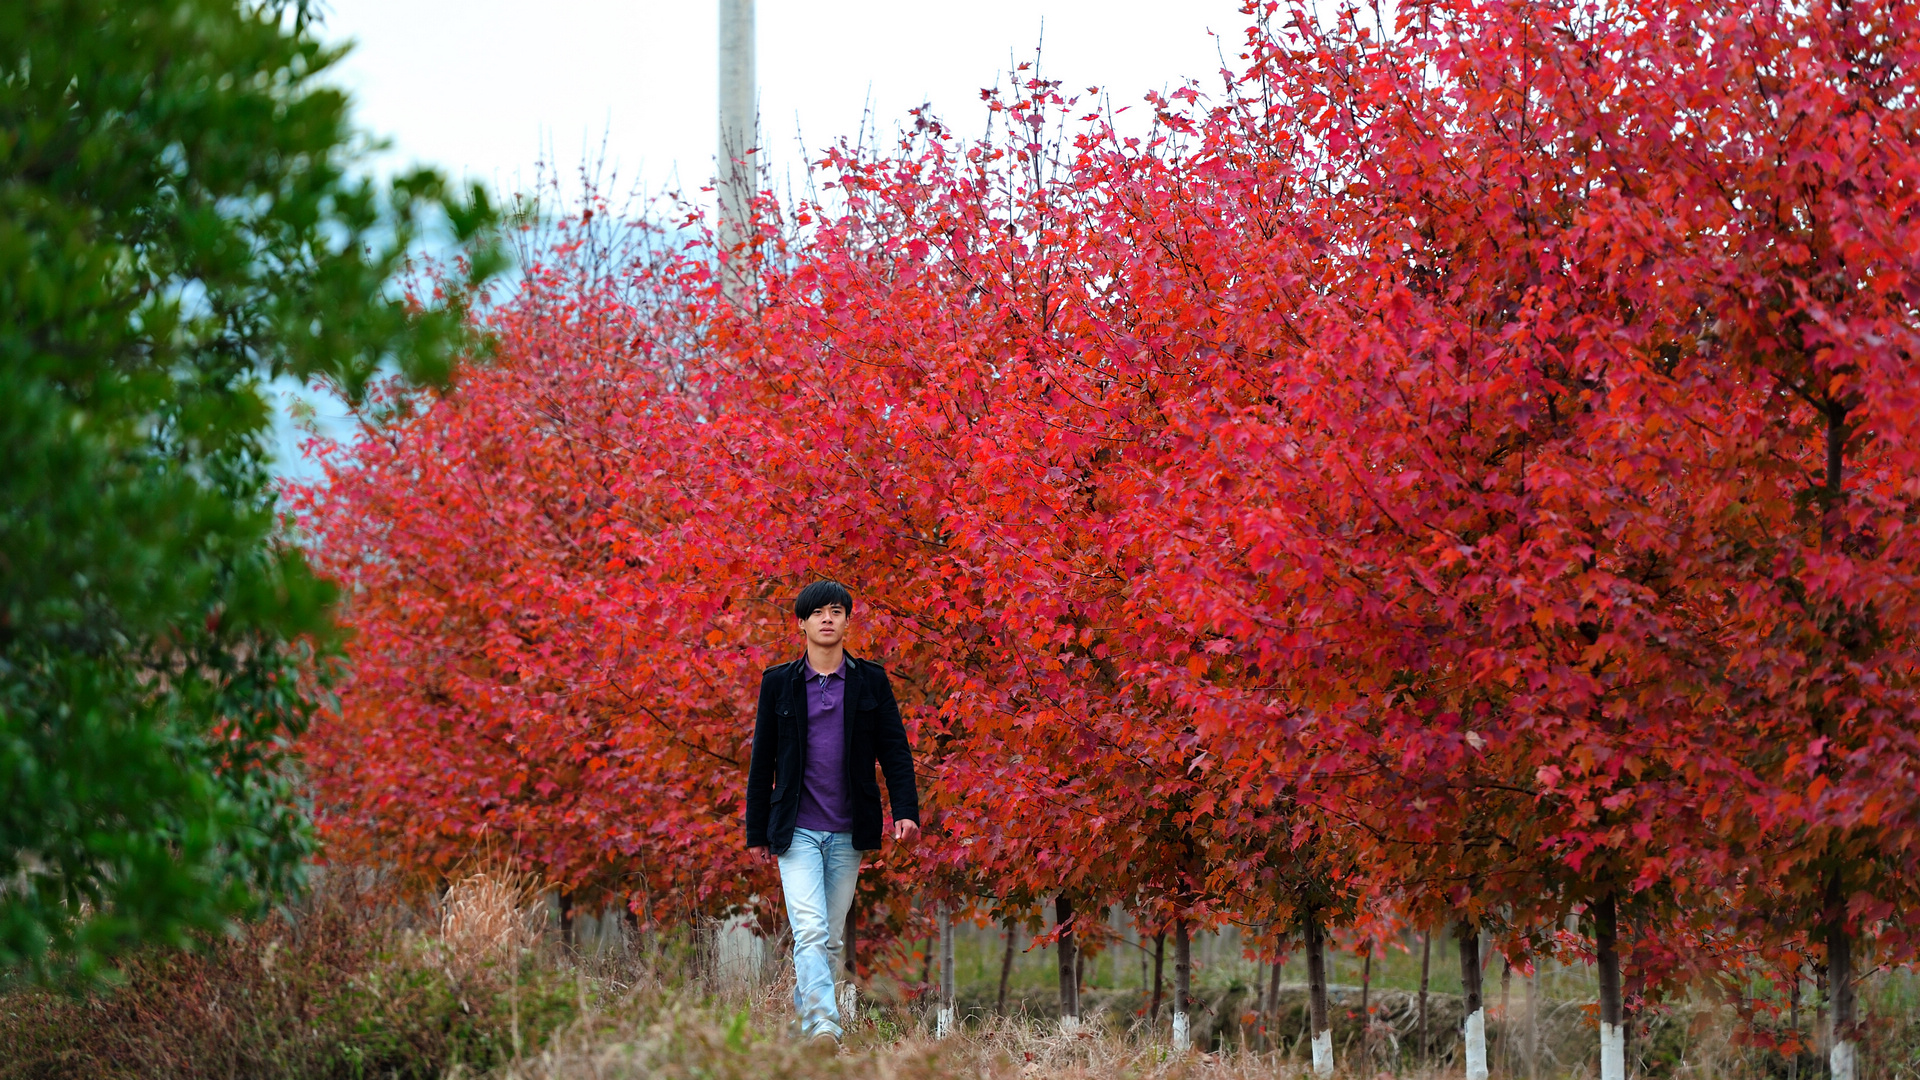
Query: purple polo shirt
pixel 824 804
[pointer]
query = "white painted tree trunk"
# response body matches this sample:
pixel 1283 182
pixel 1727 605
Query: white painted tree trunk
pixel 1840 1060
pixel 943 1018
pixel 738 953
pixel 1840 978
pixel 1182 984
pixel 1474 1033
pixel 1613 1052
pixel 1477 1044
pixel 1606 949
pixel 1319 1021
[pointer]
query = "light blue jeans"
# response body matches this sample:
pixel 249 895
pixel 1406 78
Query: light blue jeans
pixel 818 873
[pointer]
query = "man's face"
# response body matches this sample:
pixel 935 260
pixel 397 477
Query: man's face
pixel 826 626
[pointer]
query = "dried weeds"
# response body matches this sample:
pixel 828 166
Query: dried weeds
pixel 489 919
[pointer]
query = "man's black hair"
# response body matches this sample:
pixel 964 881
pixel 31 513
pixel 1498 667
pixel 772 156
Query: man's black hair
pixel 822 594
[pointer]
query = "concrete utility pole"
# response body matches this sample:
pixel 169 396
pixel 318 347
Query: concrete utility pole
pixel 739 133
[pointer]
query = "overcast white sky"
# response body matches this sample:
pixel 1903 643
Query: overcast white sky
pixel 486 88
pixel 483 87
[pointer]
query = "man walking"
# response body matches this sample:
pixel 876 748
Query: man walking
pixel 824 720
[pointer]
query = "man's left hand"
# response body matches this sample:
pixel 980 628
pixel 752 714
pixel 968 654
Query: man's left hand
pixel 906 830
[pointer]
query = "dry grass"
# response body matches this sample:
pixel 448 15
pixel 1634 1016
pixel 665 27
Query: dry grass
pixel 350 986
pixel 475 986
pixel 491 918
pixel 673 1031
pixel 674 1036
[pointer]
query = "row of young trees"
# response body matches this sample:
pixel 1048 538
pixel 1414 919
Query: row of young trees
pixel 1462 473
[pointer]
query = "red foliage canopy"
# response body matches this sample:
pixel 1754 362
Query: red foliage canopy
pixel 1465 471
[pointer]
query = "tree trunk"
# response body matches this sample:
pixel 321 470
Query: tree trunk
pixel 1182 983
pixel 1366 982
pixel 1273 1005
pixel 1840 1064
pixel 1140 946
pixel 1159 957
pixel 1840 979
pixel 1426 960
pixel 1259 996
pixel 1366 1012
pixel 1506 1024
pixel 1318 1026
pixel 944 1022
pixel 1606 950
pixel 566 918
pixel 1820 1002
pixel 1069 959
pixel 1006 968
pixel 1468 935
pixel 1793 1025
pixel 1533 1022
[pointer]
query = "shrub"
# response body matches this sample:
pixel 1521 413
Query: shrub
pixel 347 986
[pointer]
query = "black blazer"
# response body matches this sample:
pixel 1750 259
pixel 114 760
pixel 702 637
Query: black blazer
pixel 873 733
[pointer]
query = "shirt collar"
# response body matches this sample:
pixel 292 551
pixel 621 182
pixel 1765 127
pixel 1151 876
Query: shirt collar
pixel 837 673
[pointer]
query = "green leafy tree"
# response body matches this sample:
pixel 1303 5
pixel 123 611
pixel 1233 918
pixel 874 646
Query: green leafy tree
pixel 180 221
